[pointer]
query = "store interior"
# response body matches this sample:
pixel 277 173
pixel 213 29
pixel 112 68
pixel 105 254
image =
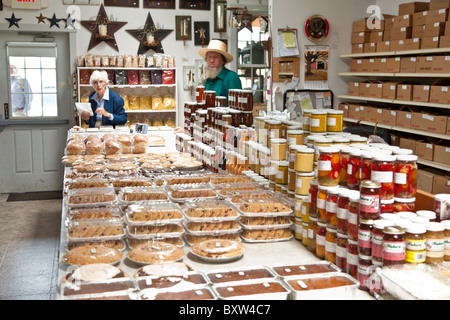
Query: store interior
pixel 323 83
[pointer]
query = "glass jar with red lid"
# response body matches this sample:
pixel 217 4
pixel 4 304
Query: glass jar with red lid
pixel 369 200
pixel 404 204
pixel 365 171
pixel 331 207
pixel 394 246
pixel 328 166
pixel 383 168
pixel 405 177
pixel 352 258
pixel 365 233
pixel 353 169
pixel 341 250
pixel 312 201
pixel 342 210
pixel 353 215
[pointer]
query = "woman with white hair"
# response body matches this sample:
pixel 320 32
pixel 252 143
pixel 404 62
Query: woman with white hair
pixel 106 104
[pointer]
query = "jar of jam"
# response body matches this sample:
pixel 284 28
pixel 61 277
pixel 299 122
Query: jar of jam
pixel 246 102
pixel 306 120
pixel 210 98
pixel 344 158
pixel 312 198
pixel 365 171
pixel 353 215
pixel 405 177
pixel 281 177
pixel 292 177
pixel 295 137
pixel 446 224
pixel 312 229
pixel 247 118
pixel 335 120
pixel 304 159
pixel 342 210
pixel 353 169
pixel 364 271
pixel 235 117
pixel 278 149
pixel 305 213
pixel 435 242
pixel 377 239
pixel 383 168
pixel 318 121
pixel 321 202
pixel 387 206
pixel 369 201
pixel 394 246
pixel 341 250
pixel 442 206
pixel 352 258
pixel 365 232
pixel 221 102
pixel 305 239
pixel 200 93
pixel 404 204
pixel 416 247
pixel 330 245
pixel 331 207
pixel 226 121
pixel 329 166
pixel 321 234
pixel 302 182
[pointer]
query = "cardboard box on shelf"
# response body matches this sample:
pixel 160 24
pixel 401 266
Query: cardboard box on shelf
pixel 412 44
pixel 444 41
pixel 421 93
pixel 441 64
pixel 355 65
pixel 358 48
pixel 344 107
pixel 435 29
pixel 401 33
pixel 353 88
pixel 360 37
pixel 376 36
pixel 364 88
pixel 404 20
pixel 408 64
pixel 425 179
pixel 424 150
pixel 397 45
pixel 442 153
pixel 404 116
pixel 405 92
pixel 448 125
pixel 390 90
pixel 441 184
pixel 389 117
pixel 353 111
pixel 407 143
pixel 376 114
pixel 379 65
pixel 360 26
pixel 384 46
pixel 412 7
pixel 393 65
pixel 370 47
pixel 376 90
pixel 439 4
pixel 419 18
pixel 429 43
pixel 433 123
pixel 424 64
pixel 364 112
pixel 418 31
pixel 438 15
pixel 440 92
pixel 363 65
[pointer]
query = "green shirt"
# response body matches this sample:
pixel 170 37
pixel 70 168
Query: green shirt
pixel 225 81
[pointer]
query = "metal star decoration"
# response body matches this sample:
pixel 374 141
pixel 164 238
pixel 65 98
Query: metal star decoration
pixel 70 22
pixel 41 19
pixel 149 28
pixel 54 21
pixel 112 28
pixel 13 21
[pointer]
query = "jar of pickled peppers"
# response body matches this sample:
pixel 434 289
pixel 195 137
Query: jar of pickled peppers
pixel 331 207
pixel 330 245
pixel 404 204
pixel 341 250
pixel 405 177
pixel 353 169
pixel 342 210
pixel 344 158
pixel 383 168
pixel 365 171
pixel 321 202
pixel 353 215
pixel 312 198
pixel 329 166
pixel 321 234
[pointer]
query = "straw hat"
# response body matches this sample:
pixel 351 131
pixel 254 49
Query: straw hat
pixel 216 46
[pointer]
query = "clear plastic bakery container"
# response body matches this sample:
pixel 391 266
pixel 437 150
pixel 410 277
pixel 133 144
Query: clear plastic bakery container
pixel 87 183
pixel 304 269
pixel 155 230
pixel 266 207
pixel 117 244
pixel 99 213
pixel 215 210
pixel 189 280
pixel 204 293
pixel 240 275
pixel 153 213
pixel 266 234
pixel 206 227
pixel 191 192
pixel 246 195
pixel 416 282
pixel 271 289
pixel 91 197
pixel 104 296
pixel 262 222
pixel 228 189
pixel 323 286
pixel 132 195
pixel 219 181
pixel 79 288
pixel 94 230
pixel 125 182
pixel 170 239
pixel 193 238
pixel 186 179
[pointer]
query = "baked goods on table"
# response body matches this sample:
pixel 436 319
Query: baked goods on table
pixel 100 213
pixel 218 249
pixel 142 194
pixel 210 209
pixel 81 197
pixel 155 252
pixel 163 269
pixel 223 276
pixel 137 214
pixel 94 272
pixel 89 254
pixel 82 229
pixel 193 294
pixel 266 234
pixel 264 206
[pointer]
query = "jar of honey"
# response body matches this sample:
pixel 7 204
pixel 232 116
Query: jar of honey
pixel 281 177
pixel 335 120
pixel 200 93
pixel 210 99
pixel 274 130
pixel 306 120
pixel 295 137
pixel 247 118
pixel 415 237
pixel 221 102
pixel 304 159
pixel 246 100
pixel 318 121
pixel 303 182
pixel 278 149
pixel 235 117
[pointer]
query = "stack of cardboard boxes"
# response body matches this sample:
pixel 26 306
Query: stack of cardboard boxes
pixel 419 25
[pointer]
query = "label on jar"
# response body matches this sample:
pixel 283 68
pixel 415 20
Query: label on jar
pixel 330 246
pixel 369 203
pixel 352 259
pixel 331 122
pixel 400 178
pixel 320 240
pixel 377 245
pixel 415 256
pixel 349 169
pixel 324 165
pixel 311 233
pixel 299 183
pixel 342 213
pixel 279 175
pixel 315 123
pixel 383 176
pixel 365 238
pixel 416 245
pixel 363 275
pixel 394 250
pixel 298 206
pixel 321 203
pixel 331 206
pixel 435 245
pixel 291 141
pixel 341 252
pixel 352 218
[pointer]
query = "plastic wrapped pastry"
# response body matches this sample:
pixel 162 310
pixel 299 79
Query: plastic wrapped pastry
pixel 145 103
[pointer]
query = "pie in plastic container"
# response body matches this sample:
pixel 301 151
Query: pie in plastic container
pixel 218 250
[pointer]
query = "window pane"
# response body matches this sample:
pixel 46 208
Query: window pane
pixel 34 79
pixel 48 63
pixel 18 62
pixel 49 81
pixel 50 105
pixel 36 106
pixel 32 62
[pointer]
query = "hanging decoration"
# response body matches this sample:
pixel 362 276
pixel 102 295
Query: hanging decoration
pixel 317 28
pixel 201 33
pixel 70 22
pixel 149 36
pixel 122 3
pixel 54 21
pixel 102 29
pixel 41 19
pixel 13 21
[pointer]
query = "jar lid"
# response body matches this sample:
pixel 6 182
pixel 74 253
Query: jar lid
pixel 226 116
pixel 305 150
pixel 358 138
pixel 369 221
pixel 200 87
pixel 327 187
pixel 394 230
pixel 381 223
pixel 406 214
pixel 364 257
pixel 328 150
pixel 295 128
pixel 344 192
pixel 344 148
pixel 355 152
pixel 294 132
pixel 416 228
pixel 306 111
pixel 383 157
pixel 235 111
pixel 305 174
pixel 318 111
pixel 403 151
pixel 278 141
pixel 334 111
pixel 304 198
pixel 341 139
pixel 446 224
pixel 419 220
pixel 354 195
pixel 273 122
pixel 387 201
pixel 370 184
pixel 389 216
pixel 426 213
pixel 404 157
pixel 405 200
pixel 283 164
pixel 442 197
pixel 434 226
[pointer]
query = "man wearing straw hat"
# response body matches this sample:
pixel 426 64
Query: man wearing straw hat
pixel 219 78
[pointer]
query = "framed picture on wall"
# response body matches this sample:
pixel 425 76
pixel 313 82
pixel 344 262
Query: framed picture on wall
pixel 201 33
pixel 183 28
pixel 83 2
pixel 160 4
pixel 122 3
pixel 195 4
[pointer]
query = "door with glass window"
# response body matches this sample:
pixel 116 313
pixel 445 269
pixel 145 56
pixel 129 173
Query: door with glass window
pixel 36 99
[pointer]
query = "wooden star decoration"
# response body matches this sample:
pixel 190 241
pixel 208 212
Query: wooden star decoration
pixel 41 19
pixel 54 21
pixel 13 21
pixel 149 28
pixel 111 26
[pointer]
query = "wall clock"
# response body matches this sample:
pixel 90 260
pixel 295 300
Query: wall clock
pixel 317 28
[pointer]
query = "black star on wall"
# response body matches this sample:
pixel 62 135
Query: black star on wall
pixel 111 26
pixel 141 36
pixel 13 21
pixel 54 21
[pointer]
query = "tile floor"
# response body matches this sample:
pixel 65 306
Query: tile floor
pixel 29 243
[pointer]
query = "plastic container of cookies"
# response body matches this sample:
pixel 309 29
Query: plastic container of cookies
pixel 264 207
pixel 174 240
pixel 271 289
pixel 228 189
pixel 127 182
pixel 191 192
pixel 193 238
pixel 131 195
pixel 220 181
pixel 91 197
pixel 152 252
pixel 153 213
pixel 88 183
pixel 211 209
pixel 117 244
pixel 207 226
pixel 95 230
pixel 260 222
pixel 186 179
pixel 266 234
pixel 155 230
pixel 99 213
